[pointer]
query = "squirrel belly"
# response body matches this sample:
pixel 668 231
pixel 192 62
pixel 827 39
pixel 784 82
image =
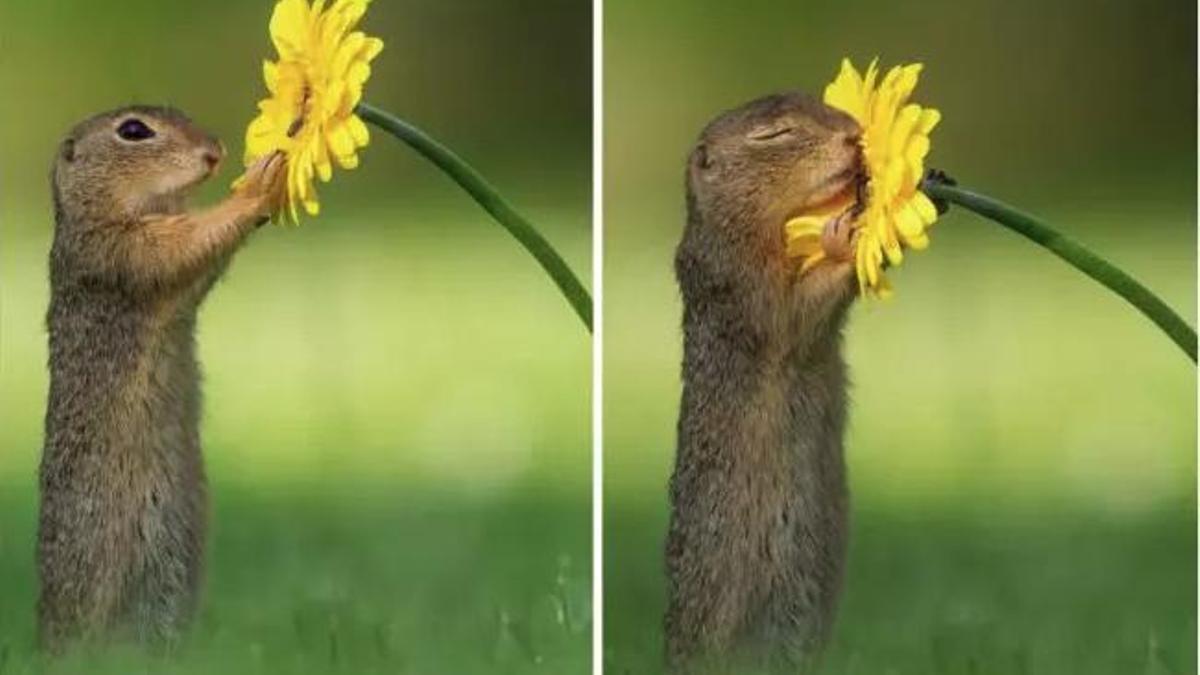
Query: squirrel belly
pixel 124 504
pixel 758 531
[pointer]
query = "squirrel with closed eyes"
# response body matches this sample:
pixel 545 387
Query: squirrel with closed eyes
pixel 759 504
pixel 123 500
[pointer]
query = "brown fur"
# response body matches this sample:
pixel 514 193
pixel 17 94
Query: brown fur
pixel 758 529
pixel 123 501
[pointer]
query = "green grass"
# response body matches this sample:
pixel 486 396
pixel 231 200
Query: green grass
pixel 992 591
pixel 349 579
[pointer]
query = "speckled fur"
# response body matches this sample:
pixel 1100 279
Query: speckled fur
pixel 123 500
pixel 758 530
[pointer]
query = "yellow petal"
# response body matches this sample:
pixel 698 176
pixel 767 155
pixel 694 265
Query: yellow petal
pixel 803 247
pixel 321 160
pixel 289 27
pixel 909 222
pixel 845 92
pixel 332 99
pixel 271 76
pixel 358 73
pixel 918 147
pixel 348 51
pixel 811 261
pixel 352 10
pixel 372 48
pixel 340 141
pixel 808 225
pixel 918 242
pixel 924 207
pixel 868 81
pixel 358 131
pixel 907 81
pixel 893 179
pixel 906 122
pixel 929 120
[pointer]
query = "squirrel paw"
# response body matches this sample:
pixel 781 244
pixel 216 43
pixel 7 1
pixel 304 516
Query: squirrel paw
pixel 839 236
pixel 263 182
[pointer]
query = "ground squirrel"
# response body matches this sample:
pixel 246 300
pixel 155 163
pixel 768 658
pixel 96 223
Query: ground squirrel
pixel 758 529
pixel 123 499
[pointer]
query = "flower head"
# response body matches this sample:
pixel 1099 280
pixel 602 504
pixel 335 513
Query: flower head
pixel 313 88
pixel 894 213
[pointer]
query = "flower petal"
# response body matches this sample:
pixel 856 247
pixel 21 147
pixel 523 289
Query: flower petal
pixel 358 131
pixel 846 91
pixel 289 27
pixel 924 207
pixel 929 120
pixel 812 261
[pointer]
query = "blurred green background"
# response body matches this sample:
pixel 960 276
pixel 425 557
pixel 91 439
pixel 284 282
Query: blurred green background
pixel 397 416
pixel 1022 444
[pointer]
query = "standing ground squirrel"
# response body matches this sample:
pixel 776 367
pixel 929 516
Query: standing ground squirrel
pixel 123 500
pixel 758 528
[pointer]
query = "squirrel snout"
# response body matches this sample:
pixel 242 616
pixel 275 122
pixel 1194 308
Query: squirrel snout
pixel 212 155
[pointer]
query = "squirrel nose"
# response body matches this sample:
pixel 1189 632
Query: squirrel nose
pixel 212 156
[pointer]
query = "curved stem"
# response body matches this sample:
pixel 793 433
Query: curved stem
pixel 1077 255
pixel 486 196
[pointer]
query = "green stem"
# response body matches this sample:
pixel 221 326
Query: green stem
pixel 482 192
pixel 1077 255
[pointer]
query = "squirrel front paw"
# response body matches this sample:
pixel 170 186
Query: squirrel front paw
pixel 263 183
pixel 838 237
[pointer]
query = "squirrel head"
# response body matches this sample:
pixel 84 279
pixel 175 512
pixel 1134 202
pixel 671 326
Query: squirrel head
pixel 120 165
pixel 753 169
pixel 759 165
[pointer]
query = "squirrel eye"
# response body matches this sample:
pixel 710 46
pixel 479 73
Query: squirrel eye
pixel 134 129
pixel 771 133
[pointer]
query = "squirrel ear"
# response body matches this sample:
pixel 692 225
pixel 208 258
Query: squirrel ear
pixel 67 151
pixel 700 164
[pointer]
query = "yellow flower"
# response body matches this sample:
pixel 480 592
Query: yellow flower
pixel 895 139
pixel 313 90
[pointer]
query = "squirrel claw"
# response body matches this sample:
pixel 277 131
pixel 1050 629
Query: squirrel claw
pixel 838 237
pixel 263 173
